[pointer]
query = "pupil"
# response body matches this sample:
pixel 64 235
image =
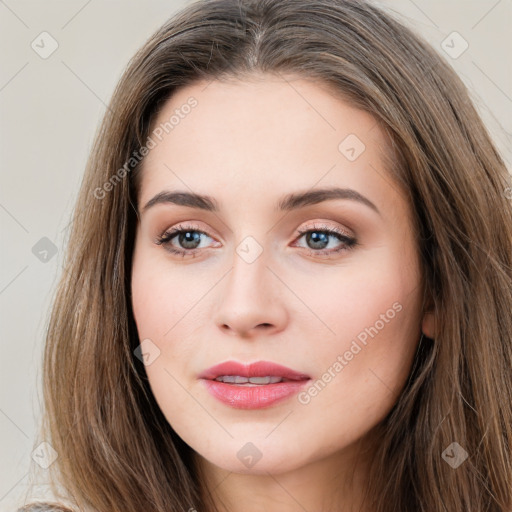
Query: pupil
pixel 190 237
pixel 314 237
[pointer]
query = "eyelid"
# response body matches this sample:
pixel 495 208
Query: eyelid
pixel 349 241
pixel 181 226
pixel 323 226
pixel 317 224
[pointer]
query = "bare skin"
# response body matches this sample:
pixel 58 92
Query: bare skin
pixel 247 144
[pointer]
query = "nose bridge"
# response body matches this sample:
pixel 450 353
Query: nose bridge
pixel 249 298
pixel 250 274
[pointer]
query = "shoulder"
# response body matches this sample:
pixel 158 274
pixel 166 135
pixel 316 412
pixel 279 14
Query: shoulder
pixel 44 507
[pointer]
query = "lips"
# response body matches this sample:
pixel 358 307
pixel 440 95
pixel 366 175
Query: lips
pixel 252 386
pixel 259 369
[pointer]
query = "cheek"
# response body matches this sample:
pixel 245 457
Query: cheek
pixel 160 307
pixel 373 296
pixel 161 297
pixel 374 313
pixel 151 308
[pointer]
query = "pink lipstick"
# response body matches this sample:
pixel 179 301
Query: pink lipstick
pixel 252 386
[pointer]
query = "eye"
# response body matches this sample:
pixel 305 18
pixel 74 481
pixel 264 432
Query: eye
pixel 189 237
pixel 319 238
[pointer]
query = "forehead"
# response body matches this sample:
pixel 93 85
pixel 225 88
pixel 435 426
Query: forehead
pixel 263 134
pixel 297 109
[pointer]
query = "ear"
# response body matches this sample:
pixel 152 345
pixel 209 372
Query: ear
pixel 428 325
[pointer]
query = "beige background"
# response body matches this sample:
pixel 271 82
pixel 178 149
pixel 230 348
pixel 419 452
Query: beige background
pixel 50 110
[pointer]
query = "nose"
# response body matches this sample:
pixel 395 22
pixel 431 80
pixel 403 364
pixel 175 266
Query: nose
pixel 251 301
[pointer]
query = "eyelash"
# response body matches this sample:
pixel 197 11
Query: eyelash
pixel 348 242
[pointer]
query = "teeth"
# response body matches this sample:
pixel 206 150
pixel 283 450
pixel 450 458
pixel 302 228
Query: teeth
pixel 264 380
pixel 236 379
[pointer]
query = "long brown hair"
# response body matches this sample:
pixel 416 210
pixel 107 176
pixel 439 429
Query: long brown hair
pixel 116 451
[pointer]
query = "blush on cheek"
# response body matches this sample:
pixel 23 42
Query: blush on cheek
pixel 381 336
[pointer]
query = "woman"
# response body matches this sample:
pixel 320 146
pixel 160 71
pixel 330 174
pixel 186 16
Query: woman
pixel 289 277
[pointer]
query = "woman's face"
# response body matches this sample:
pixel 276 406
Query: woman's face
pixel 303 255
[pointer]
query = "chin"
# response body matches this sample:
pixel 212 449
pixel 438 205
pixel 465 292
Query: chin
pixel 258 458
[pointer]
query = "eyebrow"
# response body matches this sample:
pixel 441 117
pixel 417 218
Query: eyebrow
pixel 289 202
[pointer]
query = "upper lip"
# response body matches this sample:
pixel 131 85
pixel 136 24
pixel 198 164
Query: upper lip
pixel 257 369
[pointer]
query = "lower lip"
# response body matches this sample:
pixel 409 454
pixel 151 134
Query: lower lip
pixel 253 397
